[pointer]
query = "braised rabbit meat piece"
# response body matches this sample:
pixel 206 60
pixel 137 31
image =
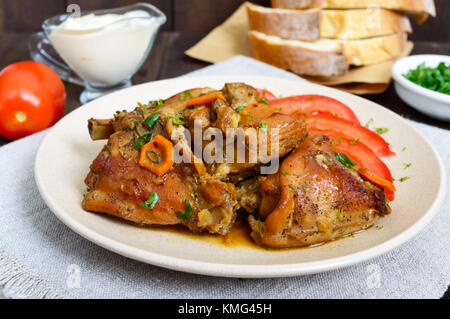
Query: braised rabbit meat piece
pixel 152 172
pixel 314 199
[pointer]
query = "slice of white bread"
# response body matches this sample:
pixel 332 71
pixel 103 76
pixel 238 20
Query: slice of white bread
pixel 420 8
pixel 325 57
pixel 335 24
pixel 285 23
pixel 361 23
pixel 297 4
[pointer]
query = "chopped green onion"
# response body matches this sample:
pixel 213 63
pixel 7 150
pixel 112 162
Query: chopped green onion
pixel 407 165
pixel 381 130
pixel 404 179
pixel 187 215
pixel 187 95
pixel 151 202
pixel 152 120
pixel 177 119
pixel 144 139
pixel 356 140
pixel 436 79
pixel 264 101
pixel 345 160
pixel 240 108
pixel 158 158
pixel 264 127
pixel 368 123
pixel 152 106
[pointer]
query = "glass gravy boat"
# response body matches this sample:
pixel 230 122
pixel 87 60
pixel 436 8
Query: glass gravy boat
pixel 101 58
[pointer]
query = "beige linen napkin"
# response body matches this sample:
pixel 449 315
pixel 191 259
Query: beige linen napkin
pixel 231 38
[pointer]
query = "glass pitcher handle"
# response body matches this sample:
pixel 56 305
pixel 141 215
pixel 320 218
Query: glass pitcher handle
pixel 39 54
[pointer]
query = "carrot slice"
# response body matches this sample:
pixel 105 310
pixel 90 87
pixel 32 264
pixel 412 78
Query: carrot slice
pixel 157 155
pixel 388 187
pixel 206 99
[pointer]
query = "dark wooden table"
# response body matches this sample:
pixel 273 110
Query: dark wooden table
pixel 167 60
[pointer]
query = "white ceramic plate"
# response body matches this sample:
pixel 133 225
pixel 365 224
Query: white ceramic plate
pixel 66 153
pixel 429 102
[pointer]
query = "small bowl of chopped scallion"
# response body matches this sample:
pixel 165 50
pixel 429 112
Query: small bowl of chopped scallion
pixel 423 82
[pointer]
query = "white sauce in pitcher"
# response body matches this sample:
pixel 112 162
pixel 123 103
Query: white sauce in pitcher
pixel 105 49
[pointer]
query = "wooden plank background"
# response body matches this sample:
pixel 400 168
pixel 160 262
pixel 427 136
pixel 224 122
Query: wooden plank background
pixel 196 17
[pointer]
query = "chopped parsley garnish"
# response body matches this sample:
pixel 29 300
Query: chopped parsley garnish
pixel 407 165
pixel 356 140
pixel 144 139
pixel 381 130
pixel 380 227
pixel 370 121
pixel 152 120
pixel 404 149
pixel 263 127
pixel 187 95
pixel 151 202
pixel 285 173
pixel 403 179
pixel 187 215
pixel 345 160
pixel 240 108
pixel 264 101
pixel 436 79
pixel 153 157
pixel 177 120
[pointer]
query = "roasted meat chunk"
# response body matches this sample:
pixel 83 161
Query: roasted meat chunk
pixel 317 199
pixel 154 171
pixel 118 186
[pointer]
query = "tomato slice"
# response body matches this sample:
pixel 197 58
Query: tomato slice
pixel 265 94
pixel 363 156
pixel 367 173
pixel 311 104
pixel 357 133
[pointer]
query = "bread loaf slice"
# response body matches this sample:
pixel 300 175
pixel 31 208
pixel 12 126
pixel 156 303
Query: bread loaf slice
pixel 325 57
pixel 362 23
pixel 420 8
pixel 297 4
pixel 313 24
pixel 285 23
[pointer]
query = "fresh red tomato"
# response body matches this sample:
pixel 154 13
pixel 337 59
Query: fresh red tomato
pixel 32 98
pixel 311 104
pixel 363 156
pixel 357 133
pixel 264 94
